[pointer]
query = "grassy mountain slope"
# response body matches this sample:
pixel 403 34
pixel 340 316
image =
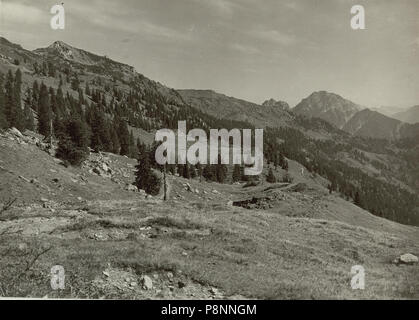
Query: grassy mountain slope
pixel 196 245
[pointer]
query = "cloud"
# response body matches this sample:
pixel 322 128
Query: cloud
pixel 222 7
pixel 245 49
pixel 17 13
pixel 274 36
pixel 108 17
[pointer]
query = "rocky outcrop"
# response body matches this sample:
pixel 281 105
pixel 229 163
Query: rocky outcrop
pixel 278 104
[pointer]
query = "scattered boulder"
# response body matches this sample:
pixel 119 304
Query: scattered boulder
pixel 407 258
pixel 24 179
pixel 188 187
pixel 299 187
pixel 131 187
pixel 15 132
pixel 146 282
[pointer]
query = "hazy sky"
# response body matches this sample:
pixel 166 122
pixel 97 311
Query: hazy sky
pixel 250 49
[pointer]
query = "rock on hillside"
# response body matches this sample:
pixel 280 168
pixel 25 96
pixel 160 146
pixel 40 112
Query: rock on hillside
pixel 279 104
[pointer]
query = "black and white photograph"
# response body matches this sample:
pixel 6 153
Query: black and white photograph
pixel 222 151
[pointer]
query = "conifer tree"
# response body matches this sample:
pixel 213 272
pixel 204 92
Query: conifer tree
pixel 236 176
pixel 3 121
pixel 358 200
pixel 199 170
pixel 29 120
pixel 192 172
pixel 209 173
pixel 115 140
pixel 44 112
pixel 145 178
pixel 133 150
pixel 73 142
pixel 180 170
pixel 221 171
pixel 271 177
pixel 123 135
pixel 13 109
pixel 186 172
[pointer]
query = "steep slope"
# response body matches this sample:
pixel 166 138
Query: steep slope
pixel 327 106
pixel 410 115
pixel 224 107
pixel 372 124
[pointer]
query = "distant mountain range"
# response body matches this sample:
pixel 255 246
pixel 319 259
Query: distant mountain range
pixel 355 119
pixel 410 115
pixel 272 114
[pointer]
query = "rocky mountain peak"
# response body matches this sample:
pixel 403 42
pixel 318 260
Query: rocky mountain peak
pixel 274 103
pixel 328 106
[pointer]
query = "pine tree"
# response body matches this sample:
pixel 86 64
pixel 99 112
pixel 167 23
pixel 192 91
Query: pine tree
pixel 285 164
pixel 101 139
pixel 123 135
pixel 87 90
pixel 3 121
pixel 35 96
pixel 73 142
pixel 209 173
pixel 145 178
pixel 186 172
pixel 17 88
pixel 271 177
pixel 141 146
pixel 29 120
pixel 221 171
pixel 12 104
pixel 199 171
pixel 236 176
pixel 115 140
pixel 358 200
pixel 44 112
pixel 133 150
pixel 192 172
pixel 180 169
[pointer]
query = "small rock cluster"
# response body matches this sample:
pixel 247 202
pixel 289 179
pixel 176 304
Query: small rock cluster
pixel 407 258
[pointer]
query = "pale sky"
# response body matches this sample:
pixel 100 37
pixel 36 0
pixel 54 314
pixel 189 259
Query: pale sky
pixel 249 49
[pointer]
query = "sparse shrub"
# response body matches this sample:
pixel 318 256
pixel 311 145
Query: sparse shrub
pixel 287 178
pixel 252 183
